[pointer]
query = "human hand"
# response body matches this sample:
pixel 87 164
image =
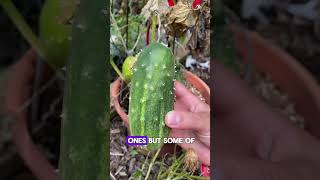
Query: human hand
pixel 254 142
pixel 191 119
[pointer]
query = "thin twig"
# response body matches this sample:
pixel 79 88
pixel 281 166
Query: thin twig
pixel 116 154
pixel 114 23
pixel 144 164
pixel 127 23
pixel 137 41
pixel 159 28
pixel 37 93
pixel 114 44
pixel 121 91
pixel 46 115
pixel 112 5
pixel 151 164
pixel 174 42
pixel 147 34
pixel 112 176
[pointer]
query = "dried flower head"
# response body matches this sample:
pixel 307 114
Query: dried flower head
pixel 191 162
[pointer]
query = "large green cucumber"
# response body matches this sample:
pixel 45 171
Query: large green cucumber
pixel 151 93
pixel 84 153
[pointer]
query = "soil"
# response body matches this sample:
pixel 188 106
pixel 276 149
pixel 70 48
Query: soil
pixel 278 100
pixel 124 160
pixel 295 34
pixel 45 126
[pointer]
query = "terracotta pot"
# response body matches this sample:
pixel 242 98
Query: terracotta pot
pixel 285 71
pixel 33 158
pixel 201 86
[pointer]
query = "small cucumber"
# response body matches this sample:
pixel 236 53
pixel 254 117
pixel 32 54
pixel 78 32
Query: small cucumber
pixel 151 93
pixel 54 35
pixel 127 67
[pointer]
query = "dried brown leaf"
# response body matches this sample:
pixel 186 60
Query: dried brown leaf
pixel 180 18
pixel 155 7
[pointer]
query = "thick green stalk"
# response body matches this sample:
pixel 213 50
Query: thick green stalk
pixel 23 27
pixel 85 126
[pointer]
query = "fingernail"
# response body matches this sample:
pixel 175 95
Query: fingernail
pixel 173 118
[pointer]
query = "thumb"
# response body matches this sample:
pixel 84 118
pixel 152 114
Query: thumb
pixel 199 121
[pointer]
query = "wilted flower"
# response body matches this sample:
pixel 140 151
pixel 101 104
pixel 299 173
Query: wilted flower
pixel 191 162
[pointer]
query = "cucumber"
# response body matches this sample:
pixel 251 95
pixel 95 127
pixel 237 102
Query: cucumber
pixel 84 153
pixel 54 35
pixel 127 67
pixel 151 93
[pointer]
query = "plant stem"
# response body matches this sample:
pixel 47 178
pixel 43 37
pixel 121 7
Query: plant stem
pixel 173 42
pixel 137 41
pixel 153 29
pixel 112 4
pixel 127 23
pixel 184 175
pixel 115 67
pixel 175 166
pixel 161 167
pixel 144 164
pixel 159 28
pixel 23 27
pixel 151 164
pixel 114 23
pixel 147 34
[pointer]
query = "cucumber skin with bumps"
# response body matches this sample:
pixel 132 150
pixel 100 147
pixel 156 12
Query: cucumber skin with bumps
pixel 151 93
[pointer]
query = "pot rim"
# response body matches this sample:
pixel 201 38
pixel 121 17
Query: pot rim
pixel 32 156
pixel 291 61
pixel 302 88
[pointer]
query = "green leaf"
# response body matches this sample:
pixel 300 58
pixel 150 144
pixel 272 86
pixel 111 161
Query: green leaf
pixel 137 174
pixel 134 152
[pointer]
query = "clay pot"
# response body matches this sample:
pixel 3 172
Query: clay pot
pixel 32 156
pixel 285 71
